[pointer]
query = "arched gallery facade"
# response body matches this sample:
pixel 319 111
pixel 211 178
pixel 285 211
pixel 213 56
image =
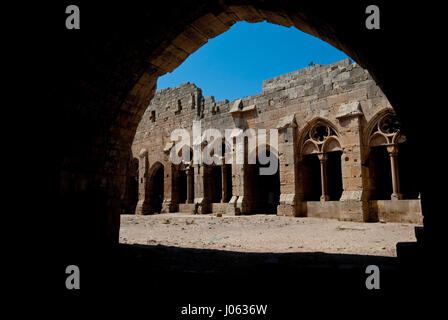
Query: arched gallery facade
pixel 341 153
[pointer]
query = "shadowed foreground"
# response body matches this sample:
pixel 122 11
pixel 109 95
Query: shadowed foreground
pixel 171 276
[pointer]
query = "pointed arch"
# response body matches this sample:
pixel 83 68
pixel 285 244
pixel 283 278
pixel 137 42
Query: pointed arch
pixel 387 169
pixel 320 156
pixel 374 136
pixel 156 176
pixel 262 190
pixel 313 139
pixel 154 168
pixel 331 144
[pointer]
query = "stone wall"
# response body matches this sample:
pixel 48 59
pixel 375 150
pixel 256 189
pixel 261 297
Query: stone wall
pixel 405 211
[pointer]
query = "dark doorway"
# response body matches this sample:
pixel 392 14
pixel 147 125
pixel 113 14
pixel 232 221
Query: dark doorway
pixel 157 189
pixel 228 178
pixel 310 174
pixel 215 184
pixel 380 174
pixel 132 194
pixel 264 190
pixel 407 175
pixel 334 175
pixel 182 185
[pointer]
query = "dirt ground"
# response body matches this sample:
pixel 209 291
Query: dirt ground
pixel 265 233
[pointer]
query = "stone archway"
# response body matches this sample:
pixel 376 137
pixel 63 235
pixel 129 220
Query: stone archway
pixel 320 160
pixel 215 175
pixel 262 191
pixel 384 139
pixel 156 187
pixel 380 174
pixel 118 70
pixel 182 187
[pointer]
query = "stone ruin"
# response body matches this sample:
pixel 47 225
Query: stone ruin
pixel 341 153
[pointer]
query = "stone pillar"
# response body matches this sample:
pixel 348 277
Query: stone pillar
pixel 143 205
pixel 299 198
pixel 323 176
pixel 224 182
pixel 168 204
pixel 354 202
pixel 243 171
pixel 199 197
pixel 393 154
pixel 190 186
pixel 288 204
pixel 241 178
pixel 237 204
pixel 231 208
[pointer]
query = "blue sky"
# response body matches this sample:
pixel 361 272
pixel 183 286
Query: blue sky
pixel 234 64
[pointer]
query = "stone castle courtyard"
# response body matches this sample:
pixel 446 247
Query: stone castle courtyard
pixel 265 233
pixel 354 184
pixel 343 186
pixel 339 151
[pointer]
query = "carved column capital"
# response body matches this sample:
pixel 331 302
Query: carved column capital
pixel 143 153
pixel 322 157
pixel 392 150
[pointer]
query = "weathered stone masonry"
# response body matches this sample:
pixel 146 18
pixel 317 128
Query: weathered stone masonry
pixel 339 151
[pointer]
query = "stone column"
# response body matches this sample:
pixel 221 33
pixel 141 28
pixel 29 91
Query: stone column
pixel 224 182
pixel 323 176
pixel 393 154
pixel 190 186
pixel 143 206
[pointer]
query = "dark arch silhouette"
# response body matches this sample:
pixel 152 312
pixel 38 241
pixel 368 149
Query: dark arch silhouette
pixel 262 191
pixel 113 74
pixel 156 187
